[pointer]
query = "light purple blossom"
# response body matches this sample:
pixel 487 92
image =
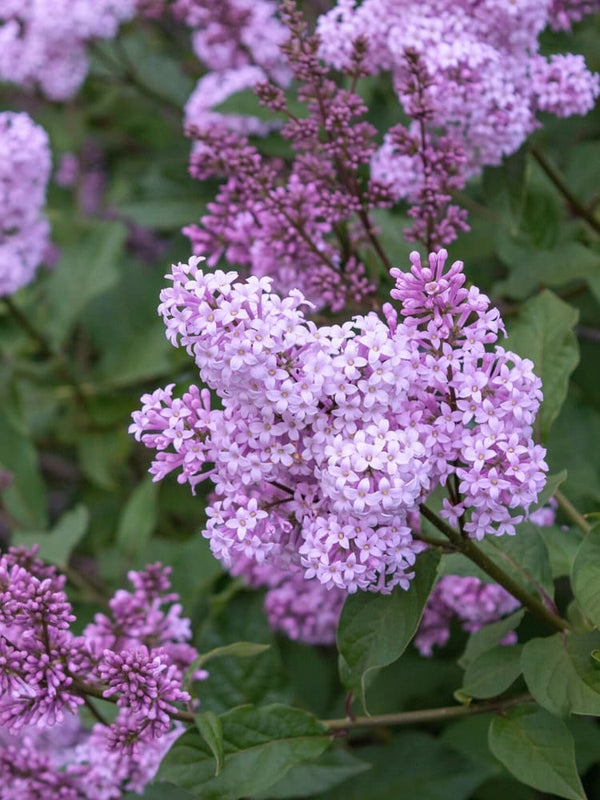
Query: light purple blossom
pixel 329 437
pixel 487 78
pixel 43 42
pixel 24 173
pixel 138 655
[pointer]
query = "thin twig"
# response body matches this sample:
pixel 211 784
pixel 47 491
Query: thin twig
pixel 426 714
pixel 572 513
pixel 557 179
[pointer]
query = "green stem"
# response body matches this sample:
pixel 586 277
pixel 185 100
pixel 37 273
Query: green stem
pixel 572 513
pixel 426 714
pixel 469 549
pixel 575 204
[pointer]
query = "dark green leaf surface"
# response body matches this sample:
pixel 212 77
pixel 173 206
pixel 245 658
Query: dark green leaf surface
pixel 374 629
pixel 561 673
pixel 413 765
pixel 260 745
pixel 586 576
pixel 543 332
pixel 492 672
pixel 56 547
pixel 211 730
pixel 330 769
pixel 537 748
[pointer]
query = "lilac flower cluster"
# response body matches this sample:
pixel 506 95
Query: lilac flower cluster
pixel 307 612
pixel 330 436
pixel 421 166
pixel 488 79
pixel 43 43
pixel 138 656
pixel 303 224
pixel 239 41
pixel 24 173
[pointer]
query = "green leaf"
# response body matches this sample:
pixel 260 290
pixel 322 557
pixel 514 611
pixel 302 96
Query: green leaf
pixel 488 636
pixel 330 769
pixel 237 649
pixel 56 547
pixel 260 745
pixel 586 576
pixel 533 269
pixel 164 214
pixel 524 556
pixel 238 681
pixel 562 546
pixel 86 270
pixel 537 748
pixel 245 102
pixel 550 487
pixel 573 444
pixel 561 673
pixel 413 766
pixel 493 672
pixel 138 519
pixel 544 333
pixel 25 495
pixel 100 453
pixel 211 730
pixel 375 629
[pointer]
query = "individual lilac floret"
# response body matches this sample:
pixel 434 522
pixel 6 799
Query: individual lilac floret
pixel 44 43
pixel 329 437
pixel 24 173
pixel 470 601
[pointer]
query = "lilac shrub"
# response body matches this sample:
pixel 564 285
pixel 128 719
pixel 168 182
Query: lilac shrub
pixel 137 657
pixel 329 437
pixel 24 174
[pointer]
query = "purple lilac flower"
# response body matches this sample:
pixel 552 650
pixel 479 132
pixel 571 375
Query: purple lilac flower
pixel 70 761
pixel 303 224
pixel 563 13
pixel 329 437
pixel 488 80
pixel 302 610
pixel 43 43
pixel 469 600
pixel 138 656
pixel 307 612
pixel 24 173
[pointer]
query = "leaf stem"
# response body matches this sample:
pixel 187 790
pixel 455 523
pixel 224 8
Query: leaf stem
pixel 426 714
pixel 469 549
pixel 572 513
